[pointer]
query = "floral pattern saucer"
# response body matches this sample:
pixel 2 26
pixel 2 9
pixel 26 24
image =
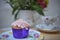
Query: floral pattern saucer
pixel 33 35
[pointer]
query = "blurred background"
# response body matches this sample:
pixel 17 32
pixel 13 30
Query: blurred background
pixel 6 18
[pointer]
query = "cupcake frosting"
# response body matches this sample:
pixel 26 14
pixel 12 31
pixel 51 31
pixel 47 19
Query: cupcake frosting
pixel 20 24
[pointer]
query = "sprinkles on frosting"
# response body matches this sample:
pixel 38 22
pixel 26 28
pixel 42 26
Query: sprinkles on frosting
pixel 20 24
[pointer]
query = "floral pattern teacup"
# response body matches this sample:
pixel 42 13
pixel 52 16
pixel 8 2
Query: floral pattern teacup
pixel 49 20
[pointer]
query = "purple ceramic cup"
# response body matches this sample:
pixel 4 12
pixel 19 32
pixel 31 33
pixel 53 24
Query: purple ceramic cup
pixel 20 33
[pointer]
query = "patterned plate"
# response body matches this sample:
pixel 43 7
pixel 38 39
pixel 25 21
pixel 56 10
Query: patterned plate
pixel 33 35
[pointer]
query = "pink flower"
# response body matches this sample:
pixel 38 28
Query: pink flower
pixel 36 35
pixel 5 36
pixel 42 3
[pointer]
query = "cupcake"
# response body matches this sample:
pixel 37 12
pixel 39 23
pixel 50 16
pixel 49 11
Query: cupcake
pixel 20 29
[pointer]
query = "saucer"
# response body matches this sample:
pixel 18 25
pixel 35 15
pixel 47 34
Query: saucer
pixel 33 35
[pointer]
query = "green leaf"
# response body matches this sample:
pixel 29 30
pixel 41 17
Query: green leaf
pixel 11 0
pixel 38 9
pixel 30 36
pixel 15 17
pixel 14 9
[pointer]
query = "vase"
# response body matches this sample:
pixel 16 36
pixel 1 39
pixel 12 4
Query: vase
pixel 30 16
